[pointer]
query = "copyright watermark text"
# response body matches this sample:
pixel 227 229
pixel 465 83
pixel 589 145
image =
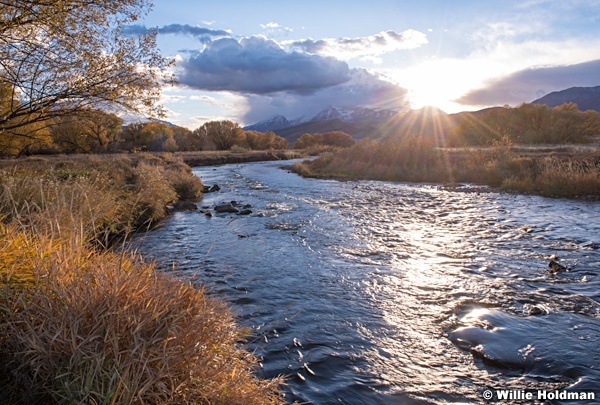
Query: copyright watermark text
pixel 537 395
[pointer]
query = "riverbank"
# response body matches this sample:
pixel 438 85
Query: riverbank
pixel 81 323
pixel 568 171
pixel 213 158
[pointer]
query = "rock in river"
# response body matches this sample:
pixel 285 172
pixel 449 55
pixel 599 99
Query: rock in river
pixel 227 207
pixel 185 206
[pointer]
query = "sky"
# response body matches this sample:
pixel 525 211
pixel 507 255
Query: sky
pixel 248 61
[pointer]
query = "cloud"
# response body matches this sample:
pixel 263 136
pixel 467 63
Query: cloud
pixel 529 84
pixel 385 41
pixel 273 26
pixel 202 34
pixel 258 65
pixel 270 25
pixel 364 88
pixel 171 98
pixel 205 98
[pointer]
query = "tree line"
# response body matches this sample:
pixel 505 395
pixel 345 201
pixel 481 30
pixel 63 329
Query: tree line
pixel 67 72
pixel 95 131
pixel 525 124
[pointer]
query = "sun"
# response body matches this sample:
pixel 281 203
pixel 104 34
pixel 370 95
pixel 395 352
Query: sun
pixel 438 83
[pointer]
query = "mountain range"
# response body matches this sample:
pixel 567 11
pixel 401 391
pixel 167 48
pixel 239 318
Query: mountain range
pixel 357 122
pixel 586 98
pixel 354 115
pixel 363 122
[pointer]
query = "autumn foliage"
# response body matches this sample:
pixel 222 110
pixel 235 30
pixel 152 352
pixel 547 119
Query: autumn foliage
pixel 80 323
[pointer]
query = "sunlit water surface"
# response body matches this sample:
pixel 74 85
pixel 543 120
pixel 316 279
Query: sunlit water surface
pixel 366 292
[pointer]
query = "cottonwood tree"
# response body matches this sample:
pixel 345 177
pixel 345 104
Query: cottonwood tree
pixel 264 140
pixel 154 136
pixel 102 129
pixel 222 134
pixel 61 57
pixel 88 131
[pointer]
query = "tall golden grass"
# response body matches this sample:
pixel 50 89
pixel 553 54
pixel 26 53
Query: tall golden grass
pixel 84 324
pixel 421 160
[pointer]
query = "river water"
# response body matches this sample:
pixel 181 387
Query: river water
pixel 367 292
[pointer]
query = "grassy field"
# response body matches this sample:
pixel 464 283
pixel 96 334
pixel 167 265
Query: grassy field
pixel 81 323
pixel 571 171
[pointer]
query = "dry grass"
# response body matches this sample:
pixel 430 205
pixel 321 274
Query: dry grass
pixel 554 177
pixel 79 324
pixel 100 328
pixel 97 197
pixel 505 166
pixel 211 158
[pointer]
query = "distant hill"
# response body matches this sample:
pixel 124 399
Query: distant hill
pixel 427 120
pixel 356 130
pixel 586 98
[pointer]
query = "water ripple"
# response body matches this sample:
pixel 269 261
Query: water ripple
pixel 380 293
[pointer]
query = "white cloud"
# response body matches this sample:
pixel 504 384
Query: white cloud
pixel 171 98
pixel 202 34
pixel 205 98
pixel 346 48
pixel 376 60
pixel 529 84
pixel 273 27
pixel 493 72
pixel 270 25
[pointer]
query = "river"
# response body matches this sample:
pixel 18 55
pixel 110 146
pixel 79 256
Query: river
pixel 367 292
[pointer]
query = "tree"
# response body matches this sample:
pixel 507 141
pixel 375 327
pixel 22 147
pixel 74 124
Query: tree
pixel 184 139
pixel 222 134
pixel 102 129
pixel 31 138
pixel 148 136
pixel 338 138
pixel 61 57
pixel 332 138
pixel 264 140
pixel 88 131
pixel 305 141
pixel 68 135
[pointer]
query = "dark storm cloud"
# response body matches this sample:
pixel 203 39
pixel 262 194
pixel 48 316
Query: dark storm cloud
pixel 204 35
pixel 257 65
pixel 530 84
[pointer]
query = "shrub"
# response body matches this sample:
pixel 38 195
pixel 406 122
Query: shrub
pixel 557 178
